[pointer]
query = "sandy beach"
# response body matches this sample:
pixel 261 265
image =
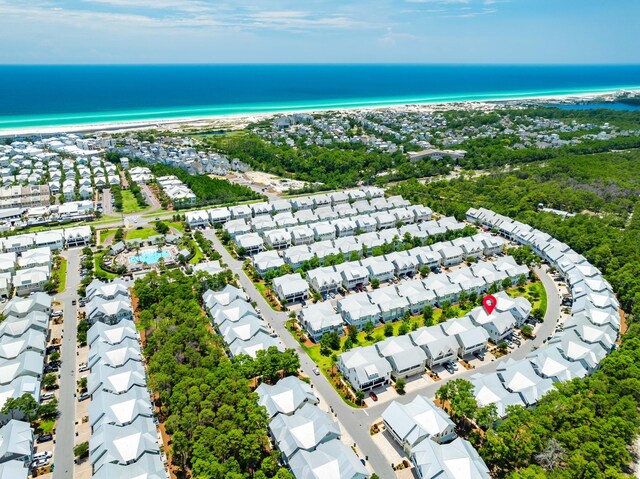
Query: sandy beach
pixel 238 120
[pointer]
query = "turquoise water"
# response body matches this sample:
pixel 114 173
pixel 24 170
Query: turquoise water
pixel 149 257
pixel 39 96
pixel 599 106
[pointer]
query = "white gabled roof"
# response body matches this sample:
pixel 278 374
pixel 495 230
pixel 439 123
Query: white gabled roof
pixel 456 460
pixel 417 420
pixel 286 396
pixel 332 459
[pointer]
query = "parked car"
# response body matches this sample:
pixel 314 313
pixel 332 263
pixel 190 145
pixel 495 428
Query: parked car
pixel 42 455
pixel 82 368
pixel 479 355
pixel 373 395
pixel 47 396
pixel 84 396
pixel 41 462
pixel 44 438
pixel 316 371
pixel 449 368
pixel 74 302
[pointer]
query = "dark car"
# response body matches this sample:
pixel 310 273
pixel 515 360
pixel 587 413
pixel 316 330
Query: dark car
pixel 373 395
pixel 44 438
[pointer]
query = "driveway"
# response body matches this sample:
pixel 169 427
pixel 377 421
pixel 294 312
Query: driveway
pixel 65 429
pixel 107 210
pixel 357 422
pixel 151 198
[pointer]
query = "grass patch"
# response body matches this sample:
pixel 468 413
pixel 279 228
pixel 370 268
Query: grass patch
pixel 130 204
pixel 198 256
pixel 534 292
pixel 176 225
pixel 142 233
pixel 101 273
pixel 172 224
pixel 47 425
pixel 62 275
pixel 104 234
pixel 262 287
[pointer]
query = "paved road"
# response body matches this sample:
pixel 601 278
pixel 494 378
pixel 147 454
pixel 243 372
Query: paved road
pixel 65 429
pixel 151 198
pixel 546 329
pixel 357 422
pixel 354 420
pixel 107 210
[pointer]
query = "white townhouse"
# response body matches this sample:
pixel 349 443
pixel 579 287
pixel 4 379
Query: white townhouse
pixel 291 288
pixel 417 421
pixel 364 368
pixel 197 219
pixel 438 347
pixel 319 319
pixel 252 243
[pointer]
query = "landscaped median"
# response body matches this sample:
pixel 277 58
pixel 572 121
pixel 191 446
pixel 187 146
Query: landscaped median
pixel 61 274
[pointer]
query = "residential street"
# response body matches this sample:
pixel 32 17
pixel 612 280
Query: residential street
pixel 151 198
pixel 65 430
pixel 107 210
pixel 357 422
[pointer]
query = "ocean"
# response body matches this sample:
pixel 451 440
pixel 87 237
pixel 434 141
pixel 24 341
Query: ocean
pixel 50 96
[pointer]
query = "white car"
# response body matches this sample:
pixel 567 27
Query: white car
pixel 42 455
pixel 316 371
pixel 41 462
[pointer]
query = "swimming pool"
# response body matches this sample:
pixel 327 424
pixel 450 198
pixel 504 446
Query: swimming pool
pixel 148 257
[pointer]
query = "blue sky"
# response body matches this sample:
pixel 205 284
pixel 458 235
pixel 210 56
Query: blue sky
pixel 314 31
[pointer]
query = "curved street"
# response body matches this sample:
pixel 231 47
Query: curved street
pixel 357 422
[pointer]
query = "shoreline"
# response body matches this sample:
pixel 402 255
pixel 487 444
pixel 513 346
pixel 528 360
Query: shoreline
pixel 269 111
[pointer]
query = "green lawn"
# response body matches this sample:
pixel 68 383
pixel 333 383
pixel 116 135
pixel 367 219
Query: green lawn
pixel 62 275
pixel 142 233
pixel 104 234
pixel 176 225
pixel 198 257
pixel 47 425
pixel 130 204
pixel 99 271
pixel 262 287
pixel 172 224
pixel 534 292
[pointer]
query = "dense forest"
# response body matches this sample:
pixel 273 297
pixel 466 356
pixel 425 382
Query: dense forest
pixel 602 188
pixel 339 165
pixel 217 429
pixel 208 191
pixel 584 429
pixel 335 167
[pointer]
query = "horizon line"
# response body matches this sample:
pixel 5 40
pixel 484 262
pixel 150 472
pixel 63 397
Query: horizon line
pixel 303 64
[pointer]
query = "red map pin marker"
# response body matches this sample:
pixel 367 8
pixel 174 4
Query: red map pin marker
pixel 489 303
